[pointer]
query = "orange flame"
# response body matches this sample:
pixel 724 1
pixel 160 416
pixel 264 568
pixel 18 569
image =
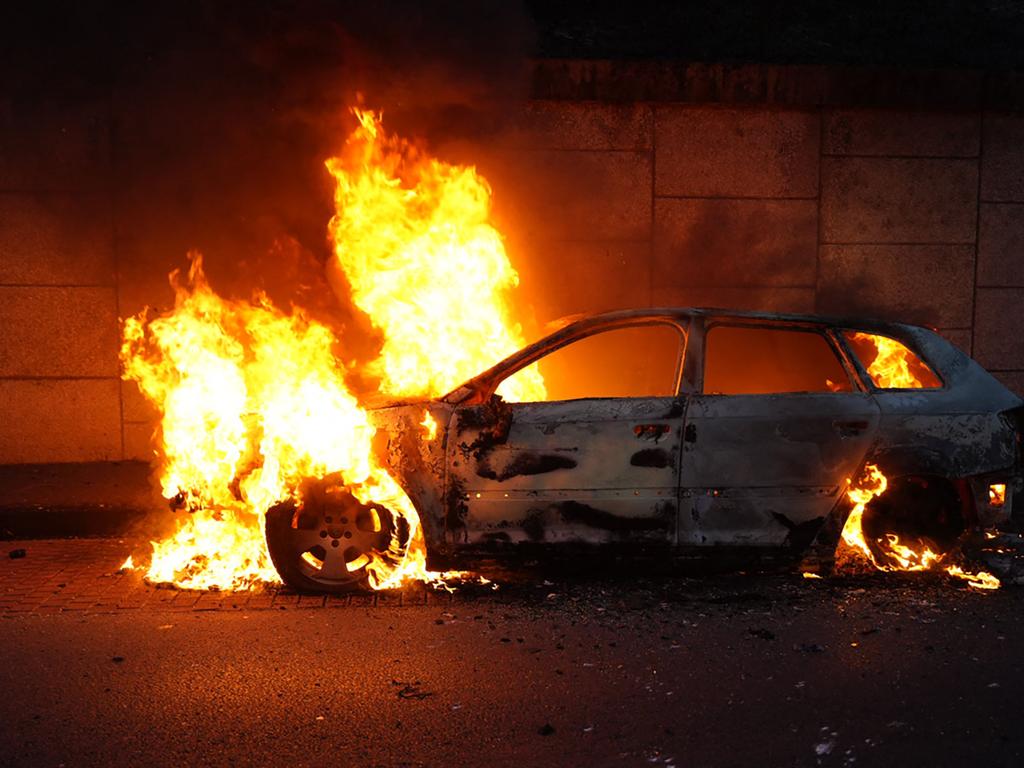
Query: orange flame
pixel 253 401
pixel 979 580
pixel 413 238
pixel 997 494
pixel 890 364
pixel 429 425
pixel 897 555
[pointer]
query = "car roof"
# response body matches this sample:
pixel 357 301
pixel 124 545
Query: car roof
pixel 968 384
pixel 577 325
pixel 720 313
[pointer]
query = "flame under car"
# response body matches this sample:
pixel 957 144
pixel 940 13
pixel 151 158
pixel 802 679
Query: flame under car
pixel 676 429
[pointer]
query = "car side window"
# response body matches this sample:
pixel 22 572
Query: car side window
pixel 757 360
pixel 890 363
pixel 638 361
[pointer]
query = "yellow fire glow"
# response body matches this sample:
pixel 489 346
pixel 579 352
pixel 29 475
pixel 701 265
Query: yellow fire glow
pixel 979 580
pixel 894 366
pixel 253 400
pixel 997 494
pixel 898 556
pixel 413 238
pixel 429 425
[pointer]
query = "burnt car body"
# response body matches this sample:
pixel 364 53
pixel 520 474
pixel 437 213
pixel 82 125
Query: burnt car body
pixel 750 443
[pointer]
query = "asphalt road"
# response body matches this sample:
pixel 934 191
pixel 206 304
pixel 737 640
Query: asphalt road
pixel 766 670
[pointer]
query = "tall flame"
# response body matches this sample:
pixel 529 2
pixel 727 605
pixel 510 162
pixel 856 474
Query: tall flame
pixel 413 237
pixel 253 401
pixel 897 556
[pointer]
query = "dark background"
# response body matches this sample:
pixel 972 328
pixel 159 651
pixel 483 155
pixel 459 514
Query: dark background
pixel 64 46
pixel 843 157
pixel 228 107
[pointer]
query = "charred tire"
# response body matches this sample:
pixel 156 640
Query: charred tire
pixel 323 545
pixel 922 510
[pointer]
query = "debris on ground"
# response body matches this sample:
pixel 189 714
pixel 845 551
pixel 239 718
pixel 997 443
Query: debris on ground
pixel 1003 555
pixel 809 648
pixel 411 690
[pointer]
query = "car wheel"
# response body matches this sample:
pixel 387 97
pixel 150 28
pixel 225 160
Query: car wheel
pixel 921 510
pixel 324 543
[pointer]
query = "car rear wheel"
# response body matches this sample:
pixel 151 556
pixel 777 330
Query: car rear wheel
pixel 324 543
pixel 923 511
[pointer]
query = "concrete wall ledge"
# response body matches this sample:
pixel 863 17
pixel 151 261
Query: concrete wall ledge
pixel 775 84
pixel 81 499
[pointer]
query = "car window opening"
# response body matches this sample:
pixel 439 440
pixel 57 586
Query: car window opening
pixel 750 360
pixel 639 361
pixel 889 363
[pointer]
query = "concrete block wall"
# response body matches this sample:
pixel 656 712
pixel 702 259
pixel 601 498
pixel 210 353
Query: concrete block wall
pixel 913 215
pixel 60 395
pixel 723 190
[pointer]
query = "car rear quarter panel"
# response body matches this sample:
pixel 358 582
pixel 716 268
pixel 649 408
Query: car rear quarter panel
pixel 955 431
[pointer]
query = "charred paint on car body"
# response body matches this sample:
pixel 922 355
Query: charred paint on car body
pixel 651 457
pixel 693 469
pixel 525 464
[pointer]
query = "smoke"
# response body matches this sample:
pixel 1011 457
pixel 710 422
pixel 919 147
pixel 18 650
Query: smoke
pixel 222 114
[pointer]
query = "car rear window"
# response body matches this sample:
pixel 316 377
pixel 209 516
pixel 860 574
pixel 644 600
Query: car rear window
pixel 755 360
pixel 890 363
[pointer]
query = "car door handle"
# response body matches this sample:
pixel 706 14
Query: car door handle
pixel 650 431
pixel 850 428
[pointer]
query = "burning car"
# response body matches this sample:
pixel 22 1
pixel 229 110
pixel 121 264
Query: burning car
pixel 671 429
pixel 658 429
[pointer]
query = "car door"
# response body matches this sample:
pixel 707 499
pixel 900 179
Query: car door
pixel 780 423
pixel 597 462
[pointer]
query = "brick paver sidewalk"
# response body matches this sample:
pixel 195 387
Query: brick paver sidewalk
pixel 57 575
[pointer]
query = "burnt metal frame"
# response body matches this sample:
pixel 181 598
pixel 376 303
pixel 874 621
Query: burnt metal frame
pixel 819 330
pixel 967 389
pixel 693 324
pixel 482 387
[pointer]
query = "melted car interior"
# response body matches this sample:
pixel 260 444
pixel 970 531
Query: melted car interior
pixel 757 360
